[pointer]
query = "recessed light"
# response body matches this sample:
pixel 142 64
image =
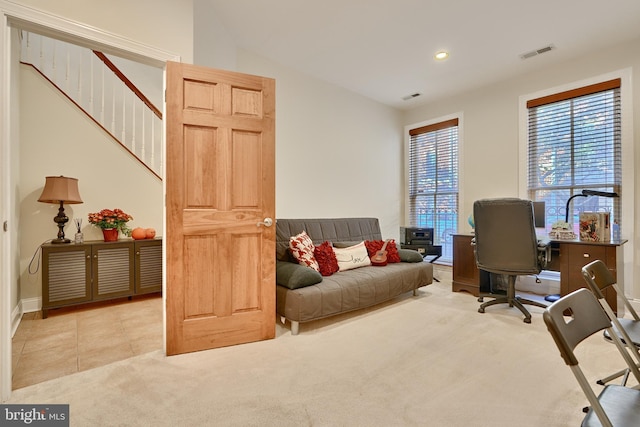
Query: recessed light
pixel 441 55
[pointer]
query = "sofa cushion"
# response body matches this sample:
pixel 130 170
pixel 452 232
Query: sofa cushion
pixel 295 276
pixel 326 259
pixel 410 255
pixel 351 290
pixel 374 246
pixel 352 257
pixel 301 248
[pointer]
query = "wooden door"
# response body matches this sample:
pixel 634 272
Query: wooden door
pixel 220 188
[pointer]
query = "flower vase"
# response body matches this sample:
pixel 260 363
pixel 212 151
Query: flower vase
pixel 110 234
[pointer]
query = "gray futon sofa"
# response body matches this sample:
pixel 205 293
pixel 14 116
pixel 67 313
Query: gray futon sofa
pixel 303 295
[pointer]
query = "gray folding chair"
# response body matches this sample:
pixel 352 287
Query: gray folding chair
pixel 600 280
pixel 616 405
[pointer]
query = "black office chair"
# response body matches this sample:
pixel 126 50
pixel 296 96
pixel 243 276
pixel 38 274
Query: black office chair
pixel 600 279
pixel 616 405
pixel 506 245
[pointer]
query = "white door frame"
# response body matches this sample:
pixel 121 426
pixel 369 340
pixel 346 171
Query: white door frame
pixel 34 20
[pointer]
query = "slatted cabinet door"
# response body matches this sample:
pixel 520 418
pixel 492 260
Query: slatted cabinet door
pixel 66 275
pixel 148 266
pixel 112 270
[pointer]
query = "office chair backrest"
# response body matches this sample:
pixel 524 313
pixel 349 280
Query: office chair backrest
pixel 587 318
pixel 505 236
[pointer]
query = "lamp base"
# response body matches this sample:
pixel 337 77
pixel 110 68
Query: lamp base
pixel 63 240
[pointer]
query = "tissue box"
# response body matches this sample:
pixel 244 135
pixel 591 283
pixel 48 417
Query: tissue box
pixel 595 227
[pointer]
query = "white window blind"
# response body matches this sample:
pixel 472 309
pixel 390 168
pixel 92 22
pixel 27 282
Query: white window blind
pixel 575 144
pixel 433 181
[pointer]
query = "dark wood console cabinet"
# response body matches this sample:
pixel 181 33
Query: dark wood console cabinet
pixel 95 270
pixel 567 256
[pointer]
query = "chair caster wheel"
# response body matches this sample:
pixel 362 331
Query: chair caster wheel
pixel 481 299
pixel 481 310
pixel 527 320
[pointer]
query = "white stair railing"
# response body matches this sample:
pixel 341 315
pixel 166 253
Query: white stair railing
pixel 117 106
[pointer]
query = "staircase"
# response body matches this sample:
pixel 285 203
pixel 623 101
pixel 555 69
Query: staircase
pixel 100 88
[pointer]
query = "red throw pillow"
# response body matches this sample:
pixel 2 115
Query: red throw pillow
pixel 374 246
pixel 326 258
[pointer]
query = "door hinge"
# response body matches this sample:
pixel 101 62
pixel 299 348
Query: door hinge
pixel 5 226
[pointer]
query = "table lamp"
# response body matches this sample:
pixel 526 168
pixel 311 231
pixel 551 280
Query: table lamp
pixel 587 193
pixel 60 189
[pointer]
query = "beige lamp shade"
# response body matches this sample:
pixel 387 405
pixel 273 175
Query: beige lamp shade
pixel 60 189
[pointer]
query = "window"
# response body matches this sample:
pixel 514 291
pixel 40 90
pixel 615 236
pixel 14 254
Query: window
pixel 574 145
pixel 433 181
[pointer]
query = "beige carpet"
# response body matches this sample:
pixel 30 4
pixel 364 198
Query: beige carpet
pixel 430 360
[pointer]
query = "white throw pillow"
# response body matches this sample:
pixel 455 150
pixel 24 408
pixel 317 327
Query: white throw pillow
pixel 352 257
pixel 301 247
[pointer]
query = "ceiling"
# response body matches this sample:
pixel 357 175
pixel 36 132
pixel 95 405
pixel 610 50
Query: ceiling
pixel 383 49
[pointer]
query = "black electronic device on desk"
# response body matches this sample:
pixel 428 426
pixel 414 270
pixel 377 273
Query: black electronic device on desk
pixel 421 240
pixel 416 236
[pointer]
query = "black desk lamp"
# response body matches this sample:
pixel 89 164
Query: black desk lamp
pixel 60 190
pixel 587 193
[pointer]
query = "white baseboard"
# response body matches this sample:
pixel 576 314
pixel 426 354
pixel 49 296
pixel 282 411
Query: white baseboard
pixel 24 306
pixel 16 317
pixel 30 305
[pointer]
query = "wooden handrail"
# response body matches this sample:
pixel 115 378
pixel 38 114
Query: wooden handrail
pixel 128 82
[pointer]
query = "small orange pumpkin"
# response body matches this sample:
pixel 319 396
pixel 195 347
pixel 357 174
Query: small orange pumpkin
pixel 138 233
pixel 150 233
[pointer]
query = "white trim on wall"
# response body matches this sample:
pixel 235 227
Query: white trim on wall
pixel 19 16
pixel 7 276
pixel 628 159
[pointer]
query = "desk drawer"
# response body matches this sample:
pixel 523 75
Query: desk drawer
pixel 581 255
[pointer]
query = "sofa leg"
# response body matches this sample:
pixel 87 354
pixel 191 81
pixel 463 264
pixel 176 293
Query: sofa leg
pixel 415 292
pixel 295 327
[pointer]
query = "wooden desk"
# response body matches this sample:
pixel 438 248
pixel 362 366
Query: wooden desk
pixel 567 256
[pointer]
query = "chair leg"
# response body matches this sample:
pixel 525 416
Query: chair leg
pixel 624 373
pixel 513 300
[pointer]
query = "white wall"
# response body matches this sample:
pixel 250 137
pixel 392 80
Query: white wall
pixel 213 46
pixel 338 154
pixel 491 134
pixel 57 139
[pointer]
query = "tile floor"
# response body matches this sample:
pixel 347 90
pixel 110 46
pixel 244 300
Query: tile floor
pixel 76 339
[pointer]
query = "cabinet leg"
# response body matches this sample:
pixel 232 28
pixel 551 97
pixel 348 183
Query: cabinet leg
pixel 45 313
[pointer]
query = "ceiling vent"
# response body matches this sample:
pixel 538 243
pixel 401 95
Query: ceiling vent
pixel 537 52
pixel 408 97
